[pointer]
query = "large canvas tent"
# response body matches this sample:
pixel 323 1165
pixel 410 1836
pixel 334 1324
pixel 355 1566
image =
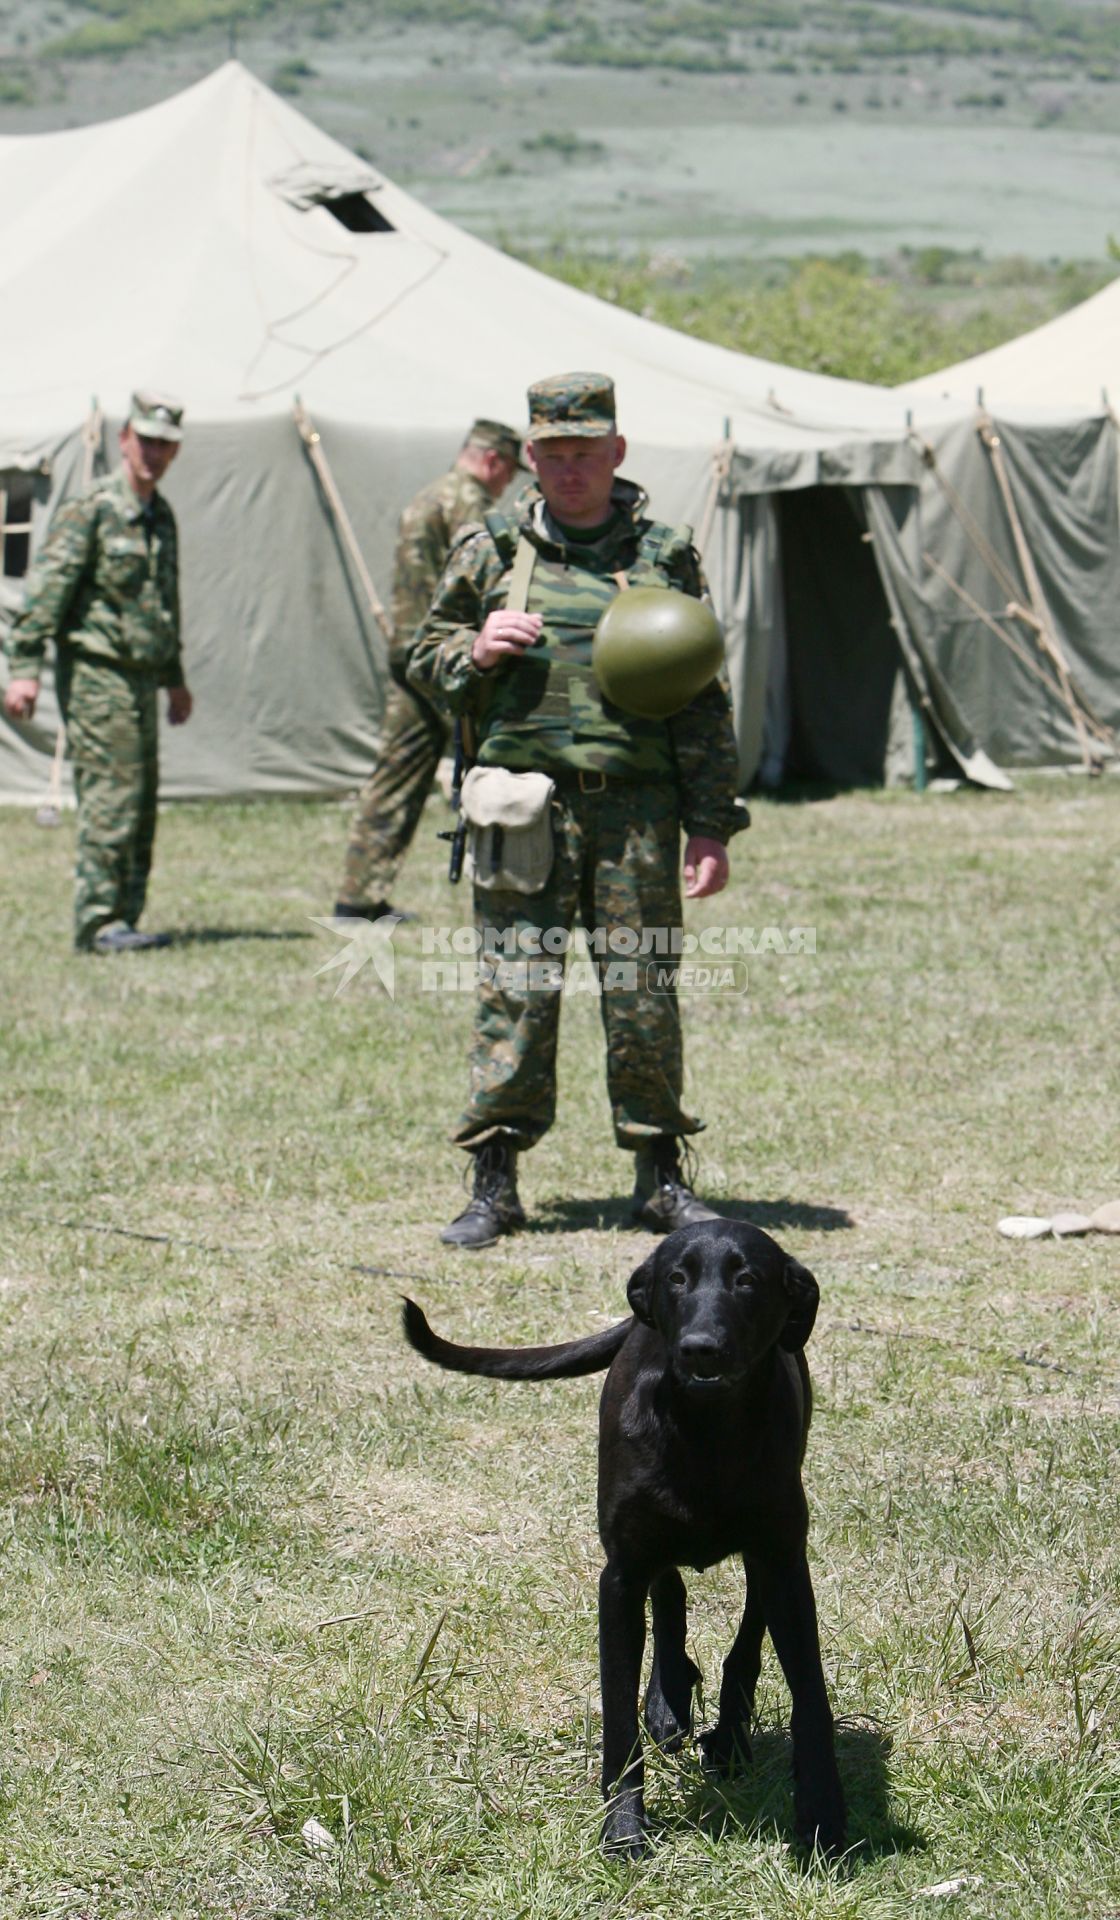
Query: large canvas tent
pixel 222 247
pixel 1007 564
pixel 995 578
pixel 332 338
pixel 986 586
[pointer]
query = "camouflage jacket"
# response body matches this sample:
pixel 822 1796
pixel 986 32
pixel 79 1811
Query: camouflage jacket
pixel 428 527
pixel 105 583
pixel 699 741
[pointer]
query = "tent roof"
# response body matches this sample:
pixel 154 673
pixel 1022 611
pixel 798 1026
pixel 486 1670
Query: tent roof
pixel 188 246
pixel 1069 368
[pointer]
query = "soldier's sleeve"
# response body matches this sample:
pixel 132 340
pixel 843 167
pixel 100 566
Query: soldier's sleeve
pixel 704 744
pixel 439 663
pixel 422 542
pixel 54 579
pixel 172 674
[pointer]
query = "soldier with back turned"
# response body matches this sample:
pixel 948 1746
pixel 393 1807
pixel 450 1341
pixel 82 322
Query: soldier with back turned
pixel 413 732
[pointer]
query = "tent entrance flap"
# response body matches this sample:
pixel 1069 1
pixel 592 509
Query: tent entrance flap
pixel 843 657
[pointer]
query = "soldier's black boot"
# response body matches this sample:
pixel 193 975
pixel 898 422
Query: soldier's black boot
pixel 118 937
pixel 493 1208
pixel 377 910
pixel 663 1199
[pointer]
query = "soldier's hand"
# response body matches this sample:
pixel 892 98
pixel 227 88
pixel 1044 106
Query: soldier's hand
pixel 19 699
pixel 179 706
pixel 503 633
pixel 706 867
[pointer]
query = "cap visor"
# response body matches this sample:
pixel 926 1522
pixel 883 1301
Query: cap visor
pixel 583 430
pixel 155 429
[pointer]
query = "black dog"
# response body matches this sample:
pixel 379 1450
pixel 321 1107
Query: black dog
pixel 702 1430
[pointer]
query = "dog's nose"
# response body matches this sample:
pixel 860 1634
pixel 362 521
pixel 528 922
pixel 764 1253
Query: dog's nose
pixel 701 1355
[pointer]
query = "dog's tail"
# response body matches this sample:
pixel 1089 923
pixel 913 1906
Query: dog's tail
pixel 565 1362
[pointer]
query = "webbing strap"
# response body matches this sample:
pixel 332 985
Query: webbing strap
pixel 521 579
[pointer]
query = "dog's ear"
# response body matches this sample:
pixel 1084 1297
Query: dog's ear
pixel 804 1296
pixel 639 1290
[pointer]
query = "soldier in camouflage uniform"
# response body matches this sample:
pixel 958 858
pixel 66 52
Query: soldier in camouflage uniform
pixel 623 789
pixel 105 590
pixel 413 733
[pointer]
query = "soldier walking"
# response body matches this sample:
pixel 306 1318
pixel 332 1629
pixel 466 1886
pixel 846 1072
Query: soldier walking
pixel 105 591
pixel 507 643
pixel 413 734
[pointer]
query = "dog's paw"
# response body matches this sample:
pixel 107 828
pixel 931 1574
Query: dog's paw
pixel 663 1725
pixel 822 1830
pixel 625 1834
pixel 723 1750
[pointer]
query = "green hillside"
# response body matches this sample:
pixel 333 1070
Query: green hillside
pixel 706 36
pixel 863 187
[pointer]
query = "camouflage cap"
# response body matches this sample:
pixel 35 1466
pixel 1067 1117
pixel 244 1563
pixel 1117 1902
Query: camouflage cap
pixel 497 436
pixel 580 404
pixel 156 415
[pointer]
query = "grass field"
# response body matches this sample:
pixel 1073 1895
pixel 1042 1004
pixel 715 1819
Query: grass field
pixel 260 1566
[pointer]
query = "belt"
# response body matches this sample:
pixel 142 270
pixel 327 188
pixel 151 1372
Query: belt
pixel 594 780
pixel 133 669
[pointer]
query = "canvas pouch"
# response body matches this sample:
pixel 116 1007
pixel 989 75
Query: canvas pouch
pixel 510 821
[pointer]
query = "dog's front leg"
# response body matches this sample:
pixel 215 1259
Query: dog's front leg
pixel 622 1636
pixel 668 1707
pixel 786 1593
pixel 731 1735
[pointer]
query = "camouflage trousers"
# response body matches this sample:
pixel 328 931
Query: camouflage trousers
pixel 615 872
pixel 390 804
pixel 112 732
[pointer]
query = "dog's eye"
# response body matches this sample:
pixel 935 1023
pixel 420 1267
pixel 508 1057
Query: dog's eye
pixel 678 1277
pixel 742 1278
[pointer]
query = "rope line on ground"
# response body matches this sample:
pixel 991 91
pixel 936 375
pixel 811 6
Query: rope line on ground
pixel 199 1246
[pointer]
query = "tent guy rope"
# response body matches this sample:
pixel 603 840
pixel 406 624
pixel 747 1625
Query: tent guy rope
pixel 1041 624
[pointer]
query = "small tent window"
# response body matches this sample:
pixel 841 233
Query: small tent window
pixel 16 496
pixel 357 213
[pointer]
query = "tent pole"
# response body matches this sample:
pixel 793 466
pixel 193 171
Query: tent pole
pixel 919 730
pixel 50 813
pixel 721 473
pixel 91 440
pixel 310 437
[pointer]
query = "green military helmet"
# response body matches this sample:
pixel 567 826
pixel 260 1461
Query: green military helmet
pixel 654 650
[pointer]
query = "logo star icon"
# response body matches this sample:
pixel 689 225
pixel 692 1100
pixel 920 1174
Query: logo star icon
pixel 365 941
